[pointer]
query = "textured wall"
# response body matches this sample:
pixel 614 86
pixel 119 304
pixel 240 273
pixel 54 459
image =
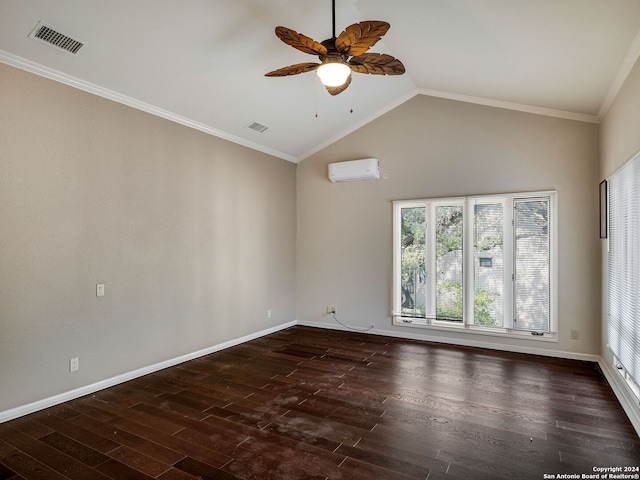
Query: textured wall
pixel 432 147
pixel 193 236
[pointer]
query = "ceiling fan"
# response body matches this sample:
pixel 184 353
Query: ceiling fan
pixel 339 56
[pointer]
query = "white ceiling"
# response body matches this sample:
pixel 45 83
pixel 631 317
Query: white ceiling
pixel 202 62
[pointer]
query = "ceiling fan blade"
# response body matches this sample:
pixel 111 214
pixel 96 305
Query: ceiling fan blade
pixel 293 69
pixel 300 41
pixel 360 37
pixel 336 90
pixel 376 64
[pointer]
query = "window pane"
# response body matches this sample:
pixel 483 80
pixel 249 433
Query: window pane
pixel 488 306
pixel 449 263
pixel 532 264
pixel 413 271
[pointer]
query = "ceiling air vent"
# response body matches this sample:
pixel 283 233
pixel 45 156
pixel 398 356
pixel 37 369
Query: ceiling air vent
pixel 258 127
pixel 47 34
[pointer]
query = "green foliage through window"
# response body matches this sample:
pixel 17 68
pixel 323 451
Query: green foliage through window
pixel 502 245
pixel 452 311
pixel 413 253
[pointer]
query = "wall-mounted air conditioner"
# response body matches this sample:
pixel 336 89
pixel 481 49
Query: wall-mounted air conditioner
pixel 367 169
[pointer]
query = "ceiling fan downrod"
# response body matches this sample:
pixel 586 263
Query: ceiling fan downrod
pixel 333 16
pixel 342 55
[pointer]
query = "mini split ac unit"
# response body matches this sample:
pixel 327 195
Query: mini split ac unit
pixel 367 169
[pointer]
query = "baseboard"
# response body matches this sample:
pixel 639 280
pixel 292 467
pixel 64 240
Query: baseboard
pixel 625 396
pixel 466 342
pixel 110 382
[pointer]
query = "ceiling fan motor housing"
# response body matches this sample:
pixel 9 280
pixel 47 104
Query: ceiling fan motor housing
pixel 339 56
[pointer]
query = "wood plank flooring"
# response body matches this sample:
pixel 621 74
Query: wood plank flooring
pixel 307 403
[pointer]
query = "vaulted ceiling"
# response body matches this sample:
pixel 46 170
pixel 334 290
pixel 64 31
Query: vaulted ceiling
pixel 202 62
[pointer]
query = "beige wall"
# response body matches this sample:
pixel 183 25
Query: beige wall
pixel 619 142
pixel 193 236
pixel 432 147
pixel 620 128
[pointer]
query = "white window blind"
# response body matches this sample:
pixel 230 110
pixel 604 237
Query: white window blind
pixel 489 263
pixel 623 323
pixel 532 247
pixel 476 263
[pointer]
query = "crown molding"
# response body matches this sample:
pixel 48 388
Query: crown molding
pixel 51 74
pixel 627 64
pixel 549 112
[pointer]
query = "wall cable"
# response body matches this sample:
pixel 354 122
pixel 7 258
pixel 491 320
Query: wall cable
pixel 357 329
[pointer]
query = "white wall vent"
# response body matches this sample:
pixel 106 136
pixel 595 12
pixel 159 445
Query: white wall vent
pixel 366 169
pixel 258 127
pixel 49 35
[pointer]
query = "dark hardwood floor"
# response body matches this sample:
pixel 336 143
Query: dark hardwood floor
pixel 306 403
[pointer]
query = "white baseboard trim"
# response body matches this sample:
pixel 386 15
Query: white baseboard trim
pixel 466 342
pixel 625 396
pixel 110 382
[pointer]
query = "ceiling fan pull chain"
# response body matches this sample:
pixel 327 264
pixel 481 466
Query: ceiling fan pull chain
pixel 316 84
pixel 340 56
pixel 351 100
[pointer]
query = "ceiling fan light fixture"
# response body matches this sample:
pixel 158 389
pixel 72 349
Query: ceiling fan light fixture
pixel 341 55
pixel 333 74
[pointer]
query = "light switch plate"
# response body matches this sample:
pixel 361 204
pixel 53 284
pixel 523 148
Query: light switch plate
pixel 100 290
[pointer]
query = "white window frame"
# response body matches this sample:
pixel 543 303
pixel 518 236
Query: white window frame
pixel 467 325
pixel 431 245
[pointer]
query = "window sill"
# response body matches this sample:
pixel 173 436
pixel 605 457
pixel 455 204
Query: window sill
pixel 631 385
pixel 474 330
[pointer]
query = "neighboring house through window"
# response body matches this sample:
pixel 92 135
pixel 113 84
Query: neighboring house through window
pixel 477 263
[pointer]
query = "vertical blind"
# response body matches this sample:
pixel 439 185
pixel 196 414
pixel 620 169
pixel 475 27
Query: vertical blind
pixel 623 271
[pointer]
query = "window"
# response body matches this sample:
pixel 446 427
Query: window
pixel 480 264
pixel 623 271
pixel 486 262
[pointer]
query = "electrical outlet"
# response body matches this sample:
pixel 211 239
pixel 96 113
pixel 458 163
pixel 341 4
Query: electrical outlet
pixel 330 310
pixel 74 364
pixel 268 313
pixel 575 334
